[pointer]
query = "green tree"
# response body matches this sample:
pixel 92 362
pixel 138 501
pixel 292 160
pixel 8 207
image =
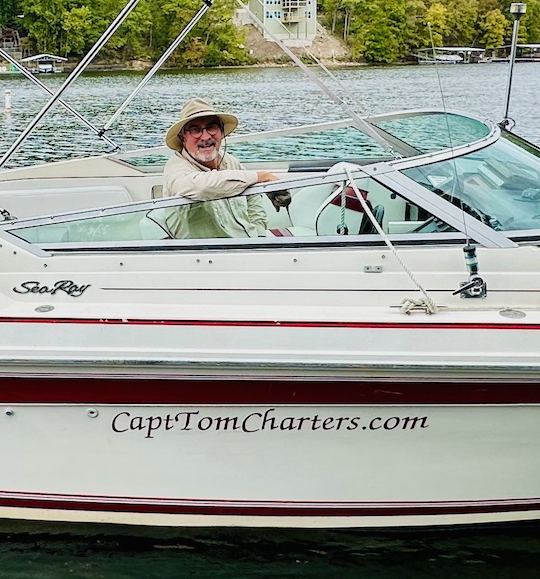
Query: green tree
pixel 494 28
pixel 76 25
pixel 415 33
pixel 437 19
pixel 137 32
pixel 332 13
pixel 531 20
pixel 9 10
pixel 43 19
pixel 462 21
pixel 214 40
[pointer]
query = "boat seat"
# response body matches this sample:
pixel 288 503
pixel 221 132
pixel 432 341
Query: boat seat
pixel 36 202
pixel 305 206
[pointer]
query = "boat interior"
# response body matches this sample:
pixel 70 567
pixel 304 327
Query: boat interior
pixel 440 173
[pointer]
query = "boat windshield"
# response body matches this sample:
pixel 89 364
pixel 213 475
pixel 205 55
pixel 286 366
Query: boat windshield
pixel 336 144
pixel 434 131
pixel 313 150
pixel 318 148
pixel 500 184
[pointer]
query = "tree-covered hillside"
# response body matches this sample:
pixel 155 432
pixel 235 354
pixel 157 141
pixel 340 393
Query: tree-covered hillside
pixel 390 30
pixel 70 28
pixel 379 31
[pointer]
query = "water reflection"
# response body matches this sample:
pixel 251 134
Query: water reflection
pixel 231 553
pixel 264 98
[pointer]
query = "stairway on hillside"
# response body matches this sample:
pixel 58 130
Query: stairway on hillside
pixel 326 47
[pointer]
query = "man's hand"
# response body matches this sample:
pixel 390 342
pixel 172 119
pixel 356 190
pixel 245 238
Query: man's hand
pixel 280 199
pixel 266 176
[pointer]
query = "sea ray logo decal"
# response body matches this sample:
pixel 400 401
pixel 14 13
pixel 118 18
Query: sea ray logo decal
pixel 65 285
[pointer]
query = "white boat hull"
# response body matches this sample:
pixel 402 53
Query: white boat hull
pixel 387 422
pixel 243 452
pixel 261 383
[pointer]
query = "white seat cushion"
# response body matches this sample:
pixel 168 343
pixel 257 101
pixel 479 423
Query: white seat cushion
pixel 36 202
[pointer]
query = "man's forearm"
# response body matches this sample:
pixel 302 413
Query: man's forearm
pixel 209 185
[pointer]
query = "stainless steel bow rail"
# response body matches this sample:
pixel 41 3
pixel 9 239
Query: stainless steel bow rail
pixel 358 121
pixel 124 13
pixel 92 53
pixel 70 109
pixel 207 4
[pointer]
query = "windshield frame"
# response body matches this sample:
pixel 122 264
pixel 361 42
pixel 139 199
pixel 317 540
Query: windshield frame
pixel 506 137
pixel 386 175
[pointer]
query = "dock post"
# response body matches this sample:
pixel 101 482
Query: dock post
pixel 7 101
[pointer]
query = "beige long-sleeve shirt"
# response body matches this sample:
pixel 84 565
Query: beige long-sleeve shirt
pixel 221 212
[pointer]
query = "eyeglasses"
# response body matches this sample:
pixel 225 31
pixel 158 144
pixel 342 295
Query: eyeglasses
pixel 212 129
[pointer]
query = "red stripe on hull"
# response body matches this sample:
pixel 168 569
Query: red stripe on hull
pixel 270 509
pixel 272 324
pixel 178 391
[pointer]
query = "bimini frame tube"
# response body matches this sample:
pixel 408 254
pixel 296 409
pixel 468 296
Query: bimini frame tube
pixel 37 82
pixel 358 121
pixel 128 8
pixel 207 4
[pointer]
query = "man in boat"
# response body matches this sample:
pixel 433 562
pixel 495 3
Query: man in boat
pixel 202 171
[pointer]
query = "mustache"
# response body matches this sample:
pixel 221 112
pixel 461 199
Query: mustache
pixel 206 142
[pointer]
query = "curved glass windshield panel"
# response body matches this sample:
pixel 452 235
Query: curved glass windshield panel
pixel 136 226
pixel 435 131
pixel 321 210
pixel 500 184
pixel 338 143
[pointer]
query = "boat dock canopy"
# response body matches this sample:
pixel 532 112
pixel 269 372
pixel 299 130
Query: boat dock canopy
pixel 48 57
pixel 533 46
pixel 450 54
pixel 452 49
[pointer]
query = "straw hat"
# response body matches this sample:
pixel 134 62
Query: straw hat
pixel 195 109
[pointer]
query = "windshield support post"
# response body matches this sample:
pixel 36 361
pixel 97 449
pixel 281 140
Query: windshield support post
pixel 207 4
pixel 92 53
pixel 70 109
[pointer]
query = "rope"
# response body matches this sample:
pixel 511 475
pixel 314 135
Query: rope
pixel 409 305
pixel 343 206
pixel 426 303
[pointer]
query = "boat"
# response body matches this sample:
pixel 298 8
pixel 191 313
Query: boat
pixel 44 63
pixel 450 55
pixel 371 362
pixel 524 53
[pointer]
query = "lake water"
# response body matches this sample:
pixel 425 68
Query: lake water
pixel 235 554
pixel 263 99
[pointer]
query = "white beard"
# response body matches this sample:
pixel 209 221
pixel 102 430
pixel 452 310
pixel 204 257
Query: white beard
pixel 204 155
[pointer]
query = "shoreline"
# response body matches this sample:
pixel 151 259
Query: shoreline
pixel 144 67
pixel 120 68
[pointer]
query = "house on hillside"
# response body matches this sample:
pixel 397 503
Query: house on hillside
pixel 10 42
pixel 292 21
